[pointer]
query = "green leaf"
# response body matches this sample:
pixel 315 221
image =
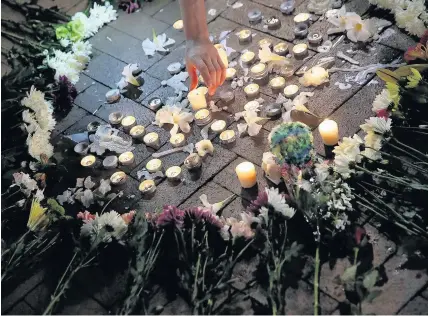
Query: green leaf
pixel 372 295
pixel 349 274
pixel 387 75
pixel 370 279
pixel 405 71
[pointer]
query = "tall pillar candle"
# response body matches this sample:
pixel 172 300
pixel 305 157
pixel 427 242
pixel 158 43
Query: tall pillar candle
pixel 329 132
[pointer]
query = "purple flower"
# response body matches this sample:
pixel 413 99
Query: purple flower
pixel 65 95
pixel 204 216
pixel 261 200
pixel 171 215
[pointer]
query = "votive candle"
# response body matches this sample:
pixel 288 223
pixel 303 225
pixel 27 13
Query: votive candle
pixel 197 99
pixel 177 140
pixel 291 91
pixel 126 158
pixel 246 172
pixel 329 132
pixel 128 122
pixel 154 165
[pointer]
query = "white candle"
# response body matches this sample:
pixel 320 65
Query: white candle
pixel 291 91
pixel 147 187
pixel 246 173
pixel 218 126
pixel 128 122
pixel 118 178
pixel 88 161
pixel 178 25
pixel 137 132
pixel 302 18
pixel 197 99
pixel 227 137
pixel 329 132
pixel 177 140
pixel 277 83
pixel 252 90
pixel 173 173
pixel 281 49
pixel 258 69
pixel 222 53
pixel 248 57
pixel 300 50
pixel 127 158
pixel 202 117
pixel 152 140
pixel 154 165
pixel 244 36
pixel 230 73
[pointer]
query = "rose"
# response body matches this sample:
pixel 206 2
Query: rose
pixel 61 32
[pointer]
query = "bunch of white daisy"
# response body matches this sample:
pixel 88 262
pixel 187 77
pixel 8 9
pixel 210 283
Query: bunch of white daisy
pixel 104 228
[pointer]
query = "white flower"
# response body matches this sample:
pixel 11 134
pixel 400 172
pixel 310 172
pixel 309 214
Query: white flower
pixel 104 228
pixel 38 144
pixel 216 207
pixel 350 148
pixel 415 27
pixel 88 183
pixel 103 14
pixel 159 44
pixel 341 18
pixel 278 203
pixel 341 222
pixel 65 197
pixel 251 120
pixel 24 181
pixel 322 171
pixel 371 154
pixel 359 30
pixel 237 228
pixel 129 77
pixel 104 187
pixel 382 101
pixel 175 115
pixel 87 198
pixel 379 125
pixel 64 42
pixel 82 51
pixel 341 165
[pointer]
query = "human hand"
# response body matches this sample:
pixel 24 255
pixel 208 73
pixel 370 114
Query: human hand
pixel 203 56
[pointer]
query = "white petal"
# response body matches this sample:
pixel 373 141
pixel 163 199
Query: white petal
pixel 254 129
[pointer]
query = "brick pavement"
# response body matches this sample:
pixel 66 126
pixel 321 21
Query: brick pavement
pixel 120 43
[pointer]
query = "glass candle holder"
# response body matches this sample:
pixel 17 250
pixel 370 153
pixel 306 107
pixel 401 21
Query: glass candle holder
pixel 245 36
pixel 259 73
pixel 281 49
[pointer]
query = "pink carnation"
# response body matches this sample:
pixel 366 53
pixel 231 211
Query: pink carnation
pixel 86 217
pixel 127 217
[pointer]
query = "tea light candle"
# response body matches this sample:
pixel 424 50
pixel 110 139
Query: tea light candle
pixel 128 122
pixel 258 69
pixel 177 140
pixel 147 187
pixel 115 118
pixel 259 73
pixel 277 83
pixel 301 30
pixel 81 148
pixel 127 158
pixel 118 178
pixel 273 23
pixel 203 117
pixel 218 126
pixel 174 68
pixel 197 99
pixel 230 73
pixel 155 104
pixel 273 110
pixel 178 25
pixel 252 90
pixel 137 132
pixel 223 55
pixel 110 162
pixel 265 42
pixel 152 140
pixel 300 50
pixel 287 7
pixel 193 162
pixel 92 127
pixel 302 18
pixel 113 96
pixel 329 132
pixel 255 16
pixel 291 91
pixel 173 173
pixel 244 36
pixel 227 137
pixel 248 57
pixel 154 165
pixel 315 38
pixel 227 97
pixel 281 49
pixel 88 161
pixel 246 173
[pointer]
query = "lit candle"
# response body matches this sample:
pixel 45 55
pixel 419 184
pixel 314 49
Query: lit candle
pixel 291 91
pixel 110 162
pixel 152 140
pixel 115 118
pixel 244 36
pixel 260 74
pixel 128 122
pixel 154 165
pixel 197 99
pixel 218 126
pixel 81 148
pixel 252 90
pixel 118 178
pixel 193 162
pixel 265 42
pixel 178 25
pixel 173 173
pixel 230 73
pixel 302 18
pixel 277 83
pixel 177 140
pixel 300 50
pixel 329 132
pixel 147 187
pixel 281 49
pixel 127 158
pixel 203 117
pixel 222 53
pixel 248 57
pixel 246 173
pixel 88 161
pixel 227 137
pixel 137 132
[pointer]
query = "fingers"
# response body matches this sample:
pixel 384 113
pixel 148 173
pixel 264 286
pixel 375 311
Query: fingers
pixel 191 70
pixel 204 68
pixel 222 71
pixel 217 73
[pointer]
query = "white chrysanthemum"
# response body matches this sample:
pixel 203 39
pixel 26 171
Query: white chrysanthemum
pixel 104 228
pixel 90 26
pixel 385 4
pixel 102 14
pixel 278 203
pixel 415 27
pixel 24 181
pixel 379 125
pixel 341 221
pixel 402 17
pixel 382 101
pixel 64 42
pixel 39 144
pixel 30 119
pixel 350 148
pixel 322 171
pixel 237 229
pixel 82 48
pixel 371 154
pixel 341 166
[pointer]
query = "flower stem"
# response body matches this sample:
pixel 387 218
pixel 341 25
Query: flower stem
pixel 410 148
pixel 316 279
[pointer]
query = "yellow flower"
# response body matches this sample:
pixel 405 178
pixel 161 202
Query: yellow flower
pixel 394 94
pixel 414 78
pixel 38 219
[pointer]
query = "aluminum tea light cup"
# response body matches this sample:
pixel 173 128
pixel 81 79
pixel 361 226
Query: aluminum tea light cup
pixel 128 122
pixel 177 140
pixel 281 49
pixel 118 178
pixel 115 118
pixel 227 97
pixel 259 72
pixel 137 132
pixel 110 162
pixel 287 7
pixel 302 18
pixel 300 50
pixel 147 187
pixel 81 148
pixel 291 91
pixel 301 30
pixel 193 162
pixel 88 161
pixel 273 23
pixel 174 173
pixel 273 110
pixel 203 117
pixel 228 137
pixel 255 16
pixel 245 36
pixel 126 158
pixel 315 38
pixel 155 104
pixel 218 126
pixel 154 165
pixel 277 84
pixel 152 140
pixel 248 58
pixel 252 90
